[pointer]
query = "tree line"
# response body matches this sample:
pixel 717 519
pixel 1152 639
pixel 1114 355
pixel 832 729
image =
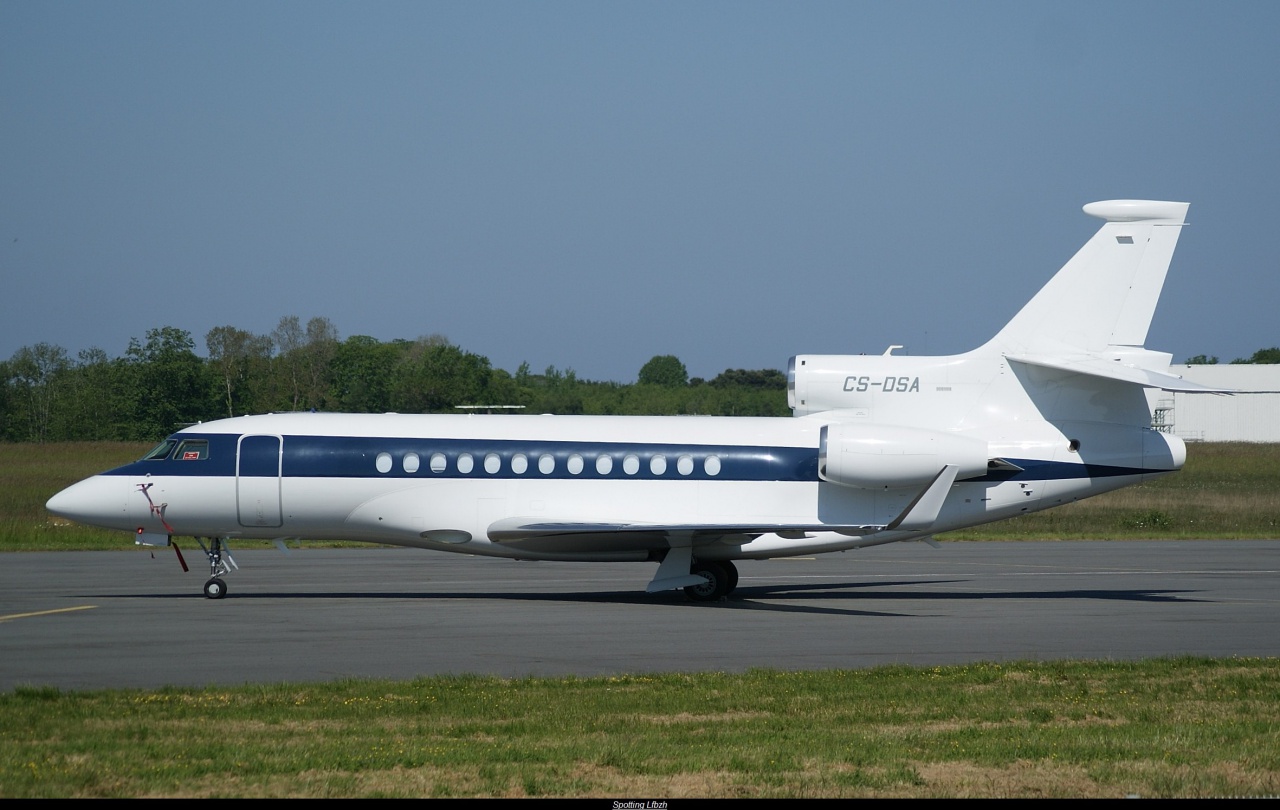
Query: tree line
pixel 161 384
pixel 1267 356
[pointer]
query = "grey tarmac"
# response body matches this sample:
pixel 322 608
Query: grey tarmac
pixel 133 619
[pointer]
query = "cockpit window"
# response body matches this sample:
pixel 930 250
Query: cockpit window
pixel 192 450
pixel 160 451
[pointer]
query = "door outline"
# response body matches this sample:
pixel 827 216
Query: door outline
pixel 258 468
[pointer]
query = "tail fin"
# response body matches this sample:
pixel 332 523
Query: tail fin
pixel 1105 296
pixel 1092 317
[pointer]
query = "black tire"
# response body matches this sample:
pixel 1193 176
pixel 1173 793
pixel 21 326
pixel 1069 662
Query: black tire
pixel 732 571
pixel 716 586
pixel 215 588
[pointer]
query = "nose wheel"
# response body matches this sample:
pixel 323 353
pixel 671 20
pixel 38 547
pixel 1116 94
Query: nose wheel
pixel 220 564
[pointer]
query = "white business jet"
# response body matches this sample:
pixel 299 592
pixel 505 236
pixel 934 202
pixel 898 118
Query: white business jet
pixel 880 449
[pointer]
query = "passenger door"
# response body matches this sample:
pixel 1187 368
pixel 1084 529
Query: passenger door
pixel 258 481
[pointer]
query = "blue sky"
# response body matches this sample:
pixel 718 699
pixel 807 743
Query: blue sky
pixel 587 184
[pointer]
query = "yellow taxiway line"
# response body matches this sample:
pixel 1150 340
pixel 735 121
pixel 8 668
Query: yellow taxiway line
pixel 45 612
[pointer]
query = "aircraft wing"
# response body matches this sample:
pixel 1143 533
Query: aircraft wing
pixel 549 536
pixel 1095 366
pixel 539 534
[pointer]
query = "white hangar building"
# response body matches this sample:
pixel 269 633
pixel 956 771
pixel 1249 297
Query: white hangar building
pixel 1250 415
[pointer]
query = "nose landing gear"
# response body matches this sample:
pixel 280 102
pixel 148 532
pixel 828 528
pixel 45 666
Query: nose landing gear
pixel 220 564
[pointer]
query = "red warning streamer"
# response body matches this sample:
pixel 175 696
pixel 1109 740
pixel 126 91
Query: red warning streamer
pixel 158 512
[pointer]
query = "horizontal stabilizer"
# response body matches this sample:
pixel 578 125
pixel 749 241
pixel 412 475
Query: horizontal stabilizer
pixel 1115 369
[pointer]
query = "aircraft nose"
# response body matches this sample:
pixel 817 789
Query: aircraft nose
pixel 97 501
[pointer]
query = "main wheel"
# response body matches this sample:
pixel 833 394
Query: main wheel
pixel 716 585
pixel 732 571
pixel 215 588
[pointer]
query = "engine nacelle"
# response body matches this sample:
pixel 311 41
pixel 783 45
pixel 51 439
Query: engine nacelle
pixel 888 456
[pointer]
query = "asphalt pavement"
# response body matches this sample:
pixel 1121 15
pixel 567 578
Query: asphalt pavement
pixel 88 620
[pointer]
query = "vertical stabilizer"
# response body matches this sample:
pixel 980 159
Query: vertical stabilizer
pixel 1104 297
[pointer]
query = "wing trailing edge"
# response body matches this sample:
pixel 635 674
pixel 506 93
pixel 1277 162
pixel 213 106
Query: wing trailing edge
pixel 544 536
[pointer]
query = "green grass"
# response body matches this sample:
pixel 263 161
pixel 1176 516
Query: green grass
pixel 1224 491
pixel 1165 728
pixel 32 473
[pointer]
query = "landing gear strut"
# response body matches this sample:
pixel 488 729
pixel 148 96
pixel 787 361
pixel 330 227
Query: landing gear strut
pixel 220 564
pixel 721 578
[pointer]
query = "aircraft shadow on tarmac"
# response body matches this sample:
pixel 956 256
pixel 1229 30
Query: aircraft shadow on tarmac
pixel 802 598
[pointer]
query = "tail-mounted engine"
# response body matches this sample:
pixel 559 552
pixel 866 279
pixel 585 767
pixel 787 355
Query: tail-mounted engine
pixel 887 456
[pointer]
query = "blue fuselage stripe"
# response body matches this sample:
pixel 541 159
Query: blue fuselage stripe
pixel 386 457
pixel 358 457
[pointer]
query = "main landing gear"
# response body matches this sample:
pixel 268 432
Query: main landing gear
pixel 721 578
pixel 220 564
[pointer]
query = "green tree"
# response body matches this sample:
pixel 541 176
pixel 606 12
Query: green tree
pixel 170 385
pixel 438 378
pixel 665 370
pixel 304 358
pixel 364 372
pixel 502 389
pixel 1263 356
pixel 559 392
pixel 762 379
pixel 522 374
pixel 236 358
pixel 97 402
pixel 1201 360
pixel 35 375
pixel 8 413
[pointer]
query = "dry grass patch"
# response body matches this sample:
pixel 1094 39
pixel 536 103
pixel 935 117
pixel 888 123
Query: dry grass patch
pixel 1022 779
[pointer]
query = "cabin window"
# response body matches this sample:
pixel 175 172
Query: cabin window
pixel 604 464
pixel 383 462
pixel 438 462
pixel 519 464
pixel 411 462
pixel 631 464
pixel 546 464
pixel 658 464
pixel 575 464
pixel 466 463
pixel 160 451
pixel 192 450
pixel 712 465
pixel 492 463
